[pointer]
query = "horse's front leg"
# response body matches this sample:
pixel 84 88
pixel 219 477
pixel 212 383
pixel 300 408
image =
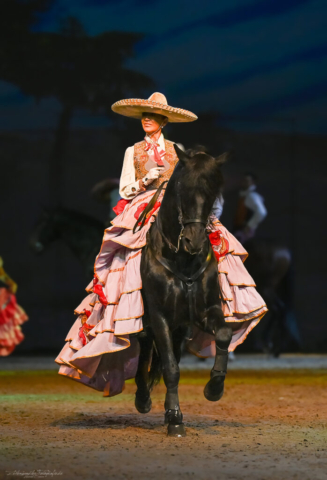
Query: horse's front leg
pixel 142 397
pixel 170 370
pixel 214 389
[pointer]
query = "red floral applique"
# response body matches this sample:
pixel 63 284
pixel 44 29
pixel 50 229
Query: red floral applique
pixel 85 328
pixel 214 237
pixel 219 244
pixel 149 214
pixel 98 289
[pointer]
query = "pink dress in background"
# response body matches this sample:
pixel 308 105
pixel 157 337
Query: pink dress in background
pixel 99 350
pixel 12 316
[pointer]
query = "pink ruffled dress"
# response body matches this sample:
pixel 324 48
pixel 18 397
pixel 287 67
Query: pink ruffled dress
pixel 12 316
pixel 99 350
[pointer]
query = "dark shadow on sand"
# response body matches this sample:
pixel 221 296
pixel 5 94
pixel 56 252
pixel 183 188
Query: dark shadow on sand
pixel 207 424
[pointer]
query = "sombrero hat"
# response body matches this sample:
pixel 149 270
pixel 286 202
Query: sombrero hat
pixel 156 103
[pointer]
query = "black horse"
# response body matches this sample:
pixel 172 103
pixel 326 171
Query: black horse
pixel 82 233
pixel 180 285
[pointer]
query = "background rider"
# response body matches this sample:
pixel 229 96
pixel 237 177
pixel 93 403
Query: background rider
pixel 251 210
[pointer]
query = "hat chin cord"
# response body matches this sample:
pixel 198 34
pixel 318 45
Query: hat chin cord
pixel 160 128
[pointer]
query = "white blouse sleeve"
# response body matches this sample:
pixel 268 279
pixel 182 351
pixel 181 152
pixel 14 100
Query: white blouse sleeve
pixel 218 206
pixel 128 187
pixel 254 202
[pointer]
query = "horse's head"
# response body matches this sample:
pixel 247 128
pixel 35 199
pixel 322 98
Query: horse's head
pixel 197 181
pixel 44 232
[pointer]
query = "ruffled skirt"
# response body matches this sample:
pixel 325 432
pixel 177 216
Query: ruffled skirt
pixel 12 316
pixel 99 351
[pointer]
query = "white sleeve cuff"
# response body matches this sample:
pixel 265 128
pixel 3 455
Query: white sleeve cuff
pixel 130 191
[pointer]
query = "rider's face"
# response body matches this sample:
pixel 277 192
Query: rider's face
pixel 151 122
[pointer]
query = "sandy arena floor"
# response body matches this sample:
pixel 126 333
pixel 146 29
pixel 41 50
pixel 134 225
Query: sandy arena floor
pixel 269 425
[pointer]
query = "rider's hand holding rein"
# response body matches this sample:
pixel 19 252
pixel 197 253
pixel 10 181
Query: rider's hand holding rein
pixel 151 176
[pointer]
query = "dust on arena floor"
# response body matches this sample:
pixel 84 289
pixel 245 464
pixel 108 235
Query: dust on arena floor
pixel 268 425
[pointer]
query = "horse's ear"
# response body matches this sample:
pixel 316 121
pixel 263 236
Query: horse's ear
pixel 182 156
pixel 222 158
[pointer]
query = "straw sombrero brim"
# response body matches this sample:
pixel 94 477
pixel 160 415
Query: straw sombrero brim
pixel 134 107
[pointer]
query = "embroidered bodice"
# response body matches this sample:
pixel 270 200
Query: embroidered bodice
pixel 143 162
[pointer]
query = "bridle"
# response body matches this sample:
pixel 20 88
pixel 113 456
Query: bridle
pixel 181 221
pixel 165 262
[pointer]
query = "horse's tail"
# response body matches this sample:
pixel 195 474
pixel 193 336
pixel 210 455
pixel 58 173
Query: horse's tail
pixel 156 368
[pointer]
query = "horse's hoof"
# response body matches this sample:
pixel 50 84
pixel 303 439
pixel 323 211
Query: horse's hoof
pixel 214 389
pixel 176 430
pixel 175 417
pixel 143 406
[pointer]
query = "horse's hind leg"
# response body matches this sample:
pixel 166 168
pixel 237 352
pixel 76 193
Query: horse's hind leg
pixel 165 346
pixel 214 389
pixel 142 397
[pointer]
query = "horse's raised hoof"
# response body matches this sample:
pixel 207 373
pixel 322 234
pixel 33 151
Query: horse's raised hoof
pixel 214 389
pixel 176 430
pixel 143 405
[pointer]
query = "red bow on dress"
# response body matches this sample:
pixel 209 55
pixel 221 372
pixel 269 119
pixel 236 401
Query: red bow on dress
pixel 119 208
pixel 98 289
pixel 85 328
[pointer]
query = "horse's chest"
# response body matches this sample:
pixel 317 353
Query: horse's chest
pixel 174 300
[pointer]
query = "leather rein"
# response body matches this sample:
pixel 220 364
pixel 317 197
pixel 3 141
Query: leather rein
pixel 168 264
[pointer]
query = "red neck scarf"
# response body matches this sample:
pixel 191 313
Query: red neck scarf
pixel 157 155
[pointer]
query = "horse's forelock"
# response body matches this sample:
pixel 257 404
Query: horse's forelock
pixel 196 150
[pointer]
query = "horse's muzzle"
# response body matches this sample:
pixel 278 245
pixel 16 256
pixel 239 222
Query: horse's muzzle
pixel 191 247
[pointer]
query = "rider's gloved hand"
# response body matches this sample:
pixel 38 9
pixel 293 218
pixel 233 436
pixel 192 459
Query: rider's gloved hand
pixel 152 175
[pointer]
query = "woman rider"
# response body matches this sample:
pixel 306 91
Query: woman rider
pixel 100 350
